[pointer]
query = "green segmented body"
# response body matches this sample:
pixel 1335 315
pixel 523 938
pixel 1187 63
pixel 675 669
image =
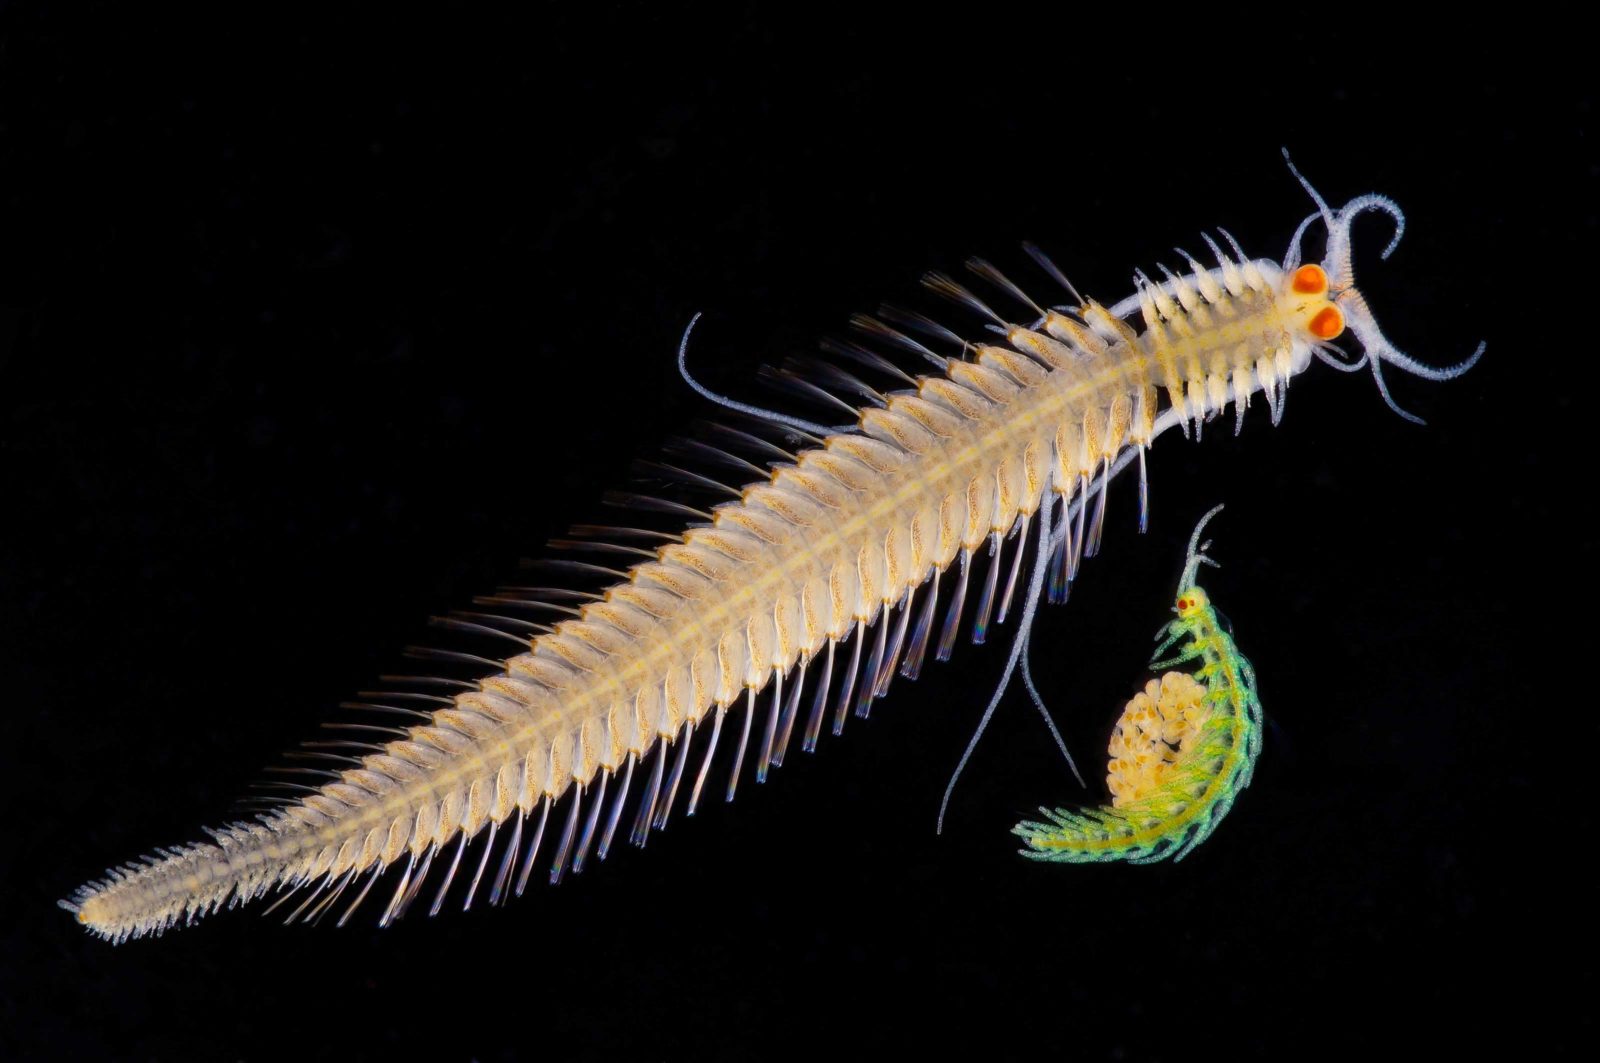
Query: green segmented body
pixel 1205 774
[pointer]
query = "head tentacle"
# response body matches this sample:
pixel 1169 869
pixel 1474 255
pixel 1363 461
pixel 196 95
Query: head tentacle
pixel 1196 555
pixel 1339 266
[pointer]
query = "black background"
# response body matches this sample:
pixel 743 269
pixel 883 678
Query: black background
pixel 313 327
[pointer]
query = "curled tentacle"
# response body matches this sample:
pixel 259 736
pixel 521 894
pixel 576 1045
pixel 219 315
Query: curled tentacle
pixel 1339 265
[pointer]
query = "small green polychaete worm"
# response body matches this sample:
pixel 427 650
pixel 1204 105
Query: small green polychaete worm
pixel 1182 751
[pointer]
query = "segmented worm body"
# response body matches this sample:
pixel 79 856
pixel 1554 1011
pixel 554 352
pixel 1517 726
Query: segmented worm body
pixel 1183 749
pixel 809 574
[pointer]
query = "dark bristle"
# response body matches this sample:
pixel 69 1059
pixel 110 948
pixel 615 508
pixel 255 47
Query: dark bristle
pixel 790 381
pixel 426 680
pixel 561 564
pixel 315 773
pixel 433 653
pixel 367 706
pixel 344 743
pixel 495 618
pixel 871 359
pixel 526 603
pixel 600 547
pixel 744 438
pixel 649 503
pixel 943 285
pixel 617 803
pixel 292 787
pixel 531 593
pixel 674 777
pixel 502 878
pixel 820 701
pixel 1004 283
pixel 922 323
pixel 581 854
pixel 558 866
pixel 408 696
pixel 952 620
pixel 877 329
pixel 1055 273
pixel 919 636
pixel 825 374
pixel 606 531
pixel 695 448
pixel 450 623
pixel 389 732
pixel 652 793
pixel 449 877
pixel 841 707
pixel 674 472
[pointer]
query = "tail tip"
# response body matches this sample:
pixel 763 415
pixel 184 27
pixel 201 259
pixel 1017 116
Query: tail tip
pixel 91 909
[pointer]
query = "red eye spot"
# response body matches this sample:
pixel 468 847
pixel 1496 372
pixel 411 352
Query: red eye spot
pixel 1183 603
pixel 1328 323
pixel 1309 280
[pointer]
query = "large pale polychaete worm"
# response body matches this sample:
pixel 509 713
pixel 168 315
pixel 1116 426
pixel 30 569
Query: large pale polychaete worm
pixel 808 589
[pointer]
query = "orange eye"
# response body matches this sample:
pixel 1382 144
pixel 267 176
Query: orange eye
pixel 1328 323
pixel 1183 603
pixel 1309 280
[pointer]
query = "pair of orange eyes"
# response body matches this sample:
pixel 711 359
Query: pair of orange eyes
pixel 1312 280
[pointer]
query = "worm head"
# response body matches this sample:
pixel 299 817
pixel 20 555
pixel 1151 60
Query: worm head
pixel 1323 301
pixel 1312 304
